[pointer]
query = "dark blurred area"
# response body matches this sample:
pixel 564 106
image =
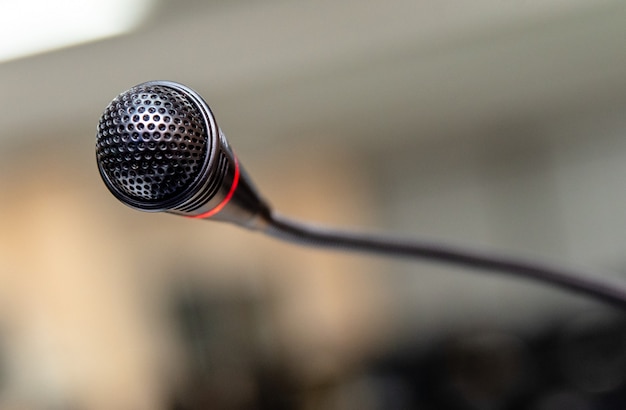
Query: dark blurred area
pixel 578 363
pixel 491 124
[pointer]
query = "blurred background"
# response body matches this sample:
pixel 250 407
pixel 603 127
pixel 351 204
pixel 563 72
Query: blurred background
pixel 496 124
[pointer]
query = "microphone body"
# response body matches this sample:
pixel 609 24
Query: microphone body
pixel 159 149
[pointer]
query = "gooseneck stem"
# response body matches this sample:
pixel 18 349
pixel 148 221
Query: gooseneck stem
pixel 159 148
pixel 290 230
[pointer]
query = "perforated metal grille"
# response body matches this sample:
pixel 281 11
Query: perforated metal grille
pixel 151 142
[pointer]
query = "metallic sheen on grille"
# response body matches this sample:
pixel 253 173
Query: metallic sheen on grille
pixel 151 143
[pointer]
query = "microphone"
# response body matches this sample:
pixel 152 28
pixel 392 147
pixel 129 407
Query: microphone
pixel 159 149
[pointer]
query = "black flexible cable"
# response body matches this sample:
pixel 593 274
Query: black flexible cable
pixel 308 234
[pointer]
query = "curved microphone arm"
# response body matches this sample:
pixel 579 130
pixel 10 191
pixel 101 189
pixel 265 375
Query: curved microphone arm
pixel 307 234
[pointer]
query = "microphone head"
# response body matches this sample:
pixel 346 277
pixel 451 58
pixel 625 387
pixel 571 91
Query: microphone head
pixel 159 148
pixel 152 143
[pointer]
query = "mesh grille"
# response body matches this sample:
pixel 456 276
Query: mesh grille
pixel 151 142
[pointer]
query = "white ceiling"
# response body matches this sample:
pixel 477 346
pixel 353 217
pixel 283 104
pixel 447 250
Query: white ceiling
pixel 286 69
